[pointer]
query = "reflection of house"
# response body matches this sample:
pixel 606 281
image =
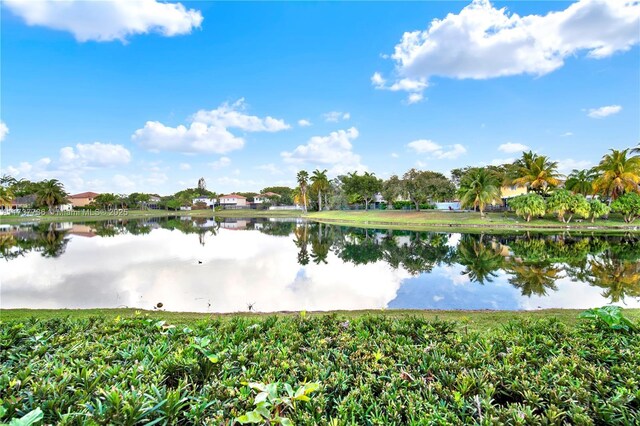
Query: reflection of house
pixel 82 199
pixel 210 202
pixel 236 224
pixel 82 230
pixel 232 200
pixel 62 226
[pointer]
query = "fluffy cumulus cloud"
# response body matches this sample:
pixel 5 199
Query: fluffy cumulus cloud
pixel 335 116
pixel 334 151
pixel 512 147
pixel 435 150
pixel 4 131
pixel 94 155
pixel 304 123
pixel 108 20
pixel 208 132
pixel 604 111
pixel 220 163
pixel 568 164
pixel 484 42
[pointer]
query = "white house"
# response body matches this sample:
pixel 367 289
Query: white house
pixel 233 200
pixel 264 198
pixel 210 202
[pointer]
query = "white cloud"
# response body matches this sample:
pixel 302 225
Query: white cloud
pixel 4 130
pixel 604 111
pixel 394 155
pixel 94 155
pixel 208 131
pixel 568 164
pixel 220 163
pixel 512 147
pixel 108 20
pixel 185 166
pixel 304 123
pixel 434 150
pixel 483 42
pixel 334 150
pixel 566 134
pixel 335 116
pixel 270 168
pixel 414 98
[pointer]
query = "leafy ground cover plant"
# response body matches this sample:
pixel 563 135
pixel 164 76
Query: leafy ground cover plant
pixel 371 369
pixel 611 317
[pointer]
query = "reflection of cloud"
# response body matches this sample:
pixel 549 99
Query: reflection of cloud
pixel 238 268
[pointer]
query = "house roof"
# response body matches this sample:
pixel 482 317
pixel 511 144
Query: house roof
pixel 84 195
pixel 269 194
pixel 27 199
pixel 233 196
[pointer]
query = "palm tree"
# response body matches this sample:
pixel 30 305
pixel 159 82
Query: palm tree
pixel 536 172
pixel 302 178
pixel 478 187
pixel 618 277
pixel 581 181
pixel 618 174
pixel 6 197
pixel 320 183
pixel 51 192
pixel 533 278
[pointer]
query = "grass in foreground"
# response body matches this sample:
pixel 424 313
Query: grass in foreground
pixel 370 369
pixel 470 220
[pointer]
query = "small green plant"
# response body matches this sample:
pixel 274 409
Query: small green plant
pixel 270 403
pixel 28 419
pixel 611 316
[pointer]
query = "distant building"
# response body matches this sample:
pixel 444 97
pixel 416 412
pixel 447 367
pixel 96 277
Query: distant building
pixel 82 199
pixel 25 202
pixel 265 198
pixel 233 200
pixel 210 202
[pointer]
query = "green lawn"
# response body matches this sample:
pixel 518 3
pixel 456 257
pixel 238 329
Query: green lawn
pixel 430 219
pixel 397 368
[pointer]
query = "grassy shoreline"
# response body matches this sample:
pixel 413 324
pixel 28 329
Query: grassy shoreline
pixel 477 320
pixel 363 368
pixel 462 221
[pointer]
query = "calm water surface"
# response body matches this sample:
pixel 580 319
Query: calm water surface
pixel 210 265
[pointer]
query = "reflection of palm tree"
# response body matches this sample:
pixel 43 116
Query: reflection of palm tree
pixel 320 245
pixel 618 277
pixel 533 279
pixel 480 259
pixel 53 243
pixel 301 234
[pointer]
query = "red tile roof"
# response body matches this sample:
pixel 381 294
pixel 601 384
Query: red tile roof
pixel 233 196
pixel 85 195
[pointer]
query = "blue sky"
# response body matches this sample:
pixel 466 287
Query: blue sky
pixel 146 96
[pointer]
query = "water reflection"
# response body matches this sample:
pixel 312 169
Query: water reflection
pixel 293 265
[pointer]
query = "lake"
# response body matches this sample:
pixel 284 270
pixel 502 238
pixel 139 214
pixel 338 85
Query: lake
pixel 229 265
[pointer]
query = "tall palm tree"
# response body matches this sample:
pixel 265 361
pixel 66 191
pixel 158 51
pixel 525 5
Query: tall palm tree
pixel 533 279
pixel 303 181
pixel 481 260
pixel 51 192
pixel 536 172
pixel 6 197
pixel 320 183
pixel 619 173
pixel 581 181
pixel 478 187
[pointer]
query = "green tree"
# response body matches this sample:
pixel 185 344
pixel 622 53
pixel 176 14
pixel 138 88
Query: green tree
pixel 528 205
pixel 391 189
pixel 320 184
pixel 6 197
pixel 285 193
pixel 105 200
pixel 478 187
pixel 303 181
pixel 628 205
pixel 618 173
pixel 563 203
pixel 581 181
pixel 597 209
pixel 364 187
pixel 535 172
pixel 481 260
pixel 51 193
pixel 533 279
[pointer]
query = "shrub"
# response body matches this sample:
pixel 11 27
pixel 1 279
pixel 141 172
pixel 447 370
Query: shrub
pixel 597 209
pixel 628 205
pixel 563 203
pixel 528 205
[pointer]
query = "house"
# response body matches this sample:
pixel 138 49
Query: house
pixel 82 199
pixel 210 202
pixel 233 200
pixel 25 202
pixel 265 198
